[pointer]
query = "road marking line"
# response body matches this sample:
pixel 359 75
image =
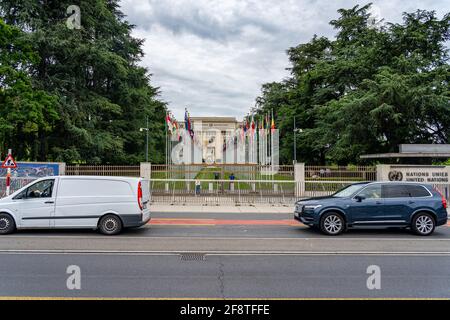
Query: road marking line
pixel 6 298
pixel 117 238
pixel 223 253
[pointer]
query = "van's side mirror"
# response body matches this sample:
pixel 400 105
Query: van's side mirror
pixel 359 198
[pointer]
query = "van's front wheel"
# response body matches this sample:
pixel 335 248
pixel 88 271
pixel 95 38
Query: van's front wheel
pixel 7 224
pixel 110 225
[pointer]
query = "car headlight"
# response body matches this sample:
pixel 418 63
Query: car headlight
pixel 312 207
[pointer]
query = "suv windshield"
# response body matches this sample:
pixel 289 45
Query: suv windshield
pixel 348 191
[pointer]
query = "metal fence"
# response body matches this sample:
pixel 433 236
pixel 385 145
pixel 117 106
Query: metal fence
pixel 354 173
pixel 351 173
pixel 222 171
pixel 103 170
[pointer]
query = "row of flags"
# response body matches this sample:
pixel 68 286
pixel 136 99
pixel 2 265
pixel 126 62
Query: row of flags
pixel 264 123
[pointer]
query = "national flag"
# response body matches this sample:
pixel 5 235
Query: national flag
pixel 273 124
pixel 169 123
pixel 188 124
pixel 253 125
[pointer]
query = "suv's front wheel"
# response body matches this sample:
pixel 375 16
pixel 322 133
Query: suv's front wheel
pixel 423 224
pixel 332 224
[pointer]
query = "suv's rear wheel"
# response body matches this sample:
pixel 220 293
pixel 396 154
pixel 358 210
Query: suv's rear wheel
pixel 7 224
pixel 110 225
pixel 423 224
pixel 332 224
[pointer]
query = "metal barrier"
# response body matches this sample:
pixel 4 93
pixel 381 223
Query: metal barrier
pixel 444 189
pixel 226 192
pixel 16 184
pixel 222 192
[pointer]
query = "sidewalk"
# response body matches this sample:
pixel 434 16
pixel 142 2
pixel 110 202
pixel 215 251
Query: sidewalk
pixel 226 209
pixel 222 209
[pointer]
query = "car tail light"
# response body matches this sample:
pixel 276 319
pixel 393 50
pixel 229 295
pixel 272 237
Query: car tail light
pixel 444 201
pixel 139 195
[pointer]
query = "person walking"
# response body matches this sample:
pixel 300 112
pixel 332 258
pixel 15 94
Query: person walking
pixel 197 187
pixel 232 178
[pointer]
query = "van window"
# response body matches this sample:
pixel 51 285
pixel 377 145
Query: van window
pixel 88 188
pixel 417 191
pixel 41 189
pixel 394 191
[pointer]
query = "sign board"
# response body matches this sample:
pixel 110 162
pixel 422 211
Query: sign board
pixel 421 174
pixel 9 163
pixel 34 170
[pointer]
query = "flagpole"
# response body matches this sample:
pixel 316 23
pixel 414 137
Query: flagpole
pixel 166 128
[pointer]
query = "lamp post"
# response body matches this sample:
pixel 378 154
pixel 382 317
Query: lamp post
pixel 147 129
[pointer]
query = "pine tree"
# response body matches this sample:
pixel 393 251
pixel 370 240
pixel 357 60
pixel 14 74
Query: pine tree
pixel 103 95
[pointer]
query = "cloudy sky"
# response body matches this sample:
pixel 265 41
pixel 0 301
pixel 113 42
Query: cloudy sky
pixel 213 55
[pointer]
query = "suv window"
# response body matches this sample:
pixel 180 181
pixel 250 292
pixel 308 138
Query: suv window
pixel 371 192
pixel 395 191
pixel 41 189
pixel 417 191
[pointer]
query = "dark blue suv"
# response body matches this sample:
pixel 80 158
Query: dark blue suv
pixel 376 204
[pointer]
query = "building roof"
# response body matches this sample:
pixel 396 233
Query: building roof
pixel 414 151
pixel 215 119
pixel 405 155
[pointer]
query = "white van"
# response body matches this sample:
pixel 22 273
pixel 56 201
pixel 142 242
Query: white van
pixel 108 204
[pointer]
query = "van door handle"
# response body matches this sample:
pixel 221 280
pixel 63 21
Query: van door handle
pixel 379 202
pixel 411 202
pixel 49 202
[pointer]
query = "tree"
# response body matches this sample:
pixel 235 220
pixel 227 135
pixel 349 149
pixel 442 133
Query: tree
pixel 103 95
pixel 27 114
pixel 375 86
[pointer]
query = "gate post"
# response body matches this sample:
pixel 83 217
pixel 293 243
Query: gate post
pixel 383 172
pixel 299 176
pixel 62 168
pixel 146 170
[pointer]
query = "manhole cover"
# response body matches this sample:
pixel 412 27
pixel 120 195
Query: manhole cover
pixel 192 257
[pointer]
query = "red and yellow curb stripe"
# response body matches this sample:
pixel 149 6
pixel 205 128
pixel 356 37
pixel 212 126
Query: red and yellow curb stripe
pixel 221 222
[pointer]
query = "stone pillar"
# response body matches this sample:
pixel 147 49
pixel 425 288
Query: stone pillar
pixel 383 172
pixel 299 177
pixel 146 170
pixel 62 169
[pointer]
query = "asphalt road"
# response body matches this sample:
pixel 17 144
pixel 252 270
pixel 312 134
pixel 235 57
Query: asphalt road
pixel 231 256
pixel 222 276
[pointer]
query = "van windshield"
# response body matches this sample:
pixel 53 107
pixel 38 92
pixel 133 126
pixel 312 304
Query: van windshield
pixel 348 191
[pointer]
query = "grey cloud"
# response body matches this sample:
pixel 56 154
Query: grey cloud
pixel 213 56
